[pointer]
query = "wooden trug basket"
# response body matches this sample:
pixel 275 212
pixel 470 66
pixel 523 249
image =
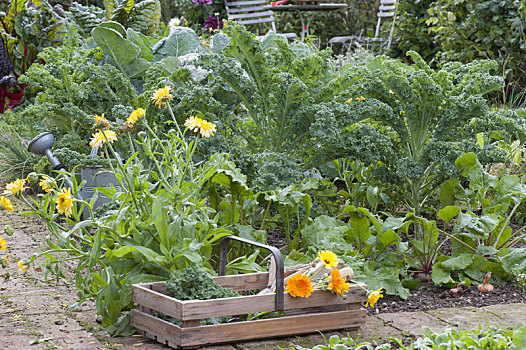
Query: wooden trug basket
pixel 321 311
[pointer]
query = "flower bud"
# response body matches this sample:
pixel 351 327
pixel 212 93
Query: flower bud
pixel 8 230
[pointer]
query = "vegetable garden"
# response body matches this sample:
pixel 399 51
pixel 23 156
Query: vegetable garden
pixel 384 175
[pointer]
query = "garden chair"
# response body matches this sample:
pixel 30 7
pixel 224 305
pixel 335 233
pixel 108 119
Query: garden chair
pixel 252 12
pixel 380 42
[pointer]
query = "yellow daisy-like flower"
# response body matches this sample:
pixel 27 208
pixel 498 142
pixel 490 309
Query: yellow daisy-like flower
pixel 135 115
pixel 328 258
pixel 99 119
pixel 337 283
pixel 3 243
pixel 391 92
pixel 193 123
pixel 162 94
pixel 98 138
pixel 46 184
pixel 22 267
pixel 204 127
pixel 6 204
pixel 64 202
pixel 361 98
pixel 207 129
pixel 373 297
pixel 299 285
pixel 349 101
pixel 16 187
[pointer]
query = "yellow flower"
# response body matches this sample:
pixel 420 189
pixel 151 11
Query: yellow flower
pixel 3 243
pixel 349 100
pixel 361 98
pixel 6 204
pixel 160 95
pixel 64 202
pixel 205 127
pixel 299 285
pixel 99 119
pixel 373 297
pixel 391 92
pixel 46 184
pixel 328 258
pixel 193 123
pixel 337 284
pixel 22 267
pixel 135 115
pixel 16 187
pixel 98 138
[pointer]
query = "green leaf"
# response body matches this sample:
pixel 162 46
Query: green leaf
pixel 458 262
pixel 448 213
pixel 219 42
pixel 181 41
pixel 440 275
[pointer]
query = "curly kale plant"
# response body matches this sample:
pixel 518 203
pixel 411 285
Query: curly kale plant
pixel 196 284
pixel 417 120
pixel 71 87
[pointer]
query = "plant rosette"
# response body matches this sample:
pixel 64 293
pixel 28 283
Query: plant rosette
pixel 323 274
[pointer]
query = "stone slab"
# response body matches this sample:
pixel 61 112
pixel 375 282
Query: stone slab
pixel 374 330
pixel 469 317
pixel 514 314
pixel 412 322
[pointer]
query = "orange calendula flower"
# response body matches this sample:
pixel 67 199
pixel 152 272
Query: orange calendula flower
pixel 299 285
pixel 361 98
pixel 373 297
pixel 162 94
pixel 22 267
pixel 328 258
pixel 46 184
pixel 100 119
pixel 98 138
pixel 3 243
pixel 6 204
pixel 64 202
pixel 135 115
pixel 337 283
pixel 16 187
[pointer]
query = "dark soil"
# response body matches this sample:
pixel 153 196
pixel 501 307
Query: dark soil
pixel 428 297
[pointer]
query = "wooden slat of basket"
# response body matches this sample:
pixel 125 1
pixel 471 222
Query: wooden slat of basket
pixel 199 309
pixel 224 333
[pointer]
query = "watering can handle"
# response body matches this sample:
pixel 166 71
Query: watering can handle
pixel 278 258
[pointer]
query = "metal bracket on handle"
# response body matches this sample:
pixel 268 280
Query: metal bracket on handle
pixel 278 258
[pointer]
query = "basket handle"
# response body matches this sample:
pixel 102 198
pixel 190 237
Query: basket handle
pixel 278 258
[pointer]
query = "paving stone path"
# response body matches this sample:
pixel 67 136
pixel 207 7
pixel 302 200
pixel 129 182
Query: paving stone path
pixel 35 314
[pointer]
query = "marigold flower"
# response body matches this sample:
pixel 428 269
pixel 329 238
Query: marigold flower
pixel 98 138
pixel 328 258
pixel 22 267
pixel 361 98
pixel 3 243
pixel 16 187
pixel 349 101
pixel 135 115
pixel 64 202
pixel 373 297
pixel 46 184
pixel 6 204
pixel 162 94
pixel 337 283
pixel 299 285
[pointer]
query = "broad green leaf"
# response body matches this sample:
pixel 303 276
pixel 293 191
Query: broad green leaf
pixel 458 262
pixel 219 42
pixel 181 41
pixel 440 275
pixel 447 213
